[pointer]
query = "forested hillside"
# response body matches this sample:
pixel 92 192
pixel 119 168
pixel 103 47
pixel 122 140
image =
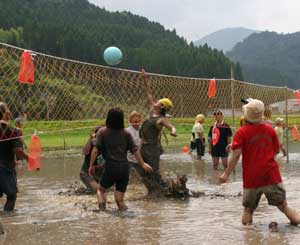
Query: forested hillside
pixel 79 30
pixel 270 58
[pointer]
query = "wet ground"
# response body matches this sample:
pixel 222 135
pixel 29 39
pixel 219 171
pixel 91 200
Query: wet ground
pixel 43 216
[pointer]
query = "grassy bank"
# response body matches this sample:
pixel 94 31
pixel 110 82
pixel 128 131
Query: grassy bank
pixel 74 134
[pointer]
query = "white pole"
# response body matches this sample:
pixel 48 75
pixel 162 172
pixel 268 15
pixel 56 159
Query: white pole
pixel 287 125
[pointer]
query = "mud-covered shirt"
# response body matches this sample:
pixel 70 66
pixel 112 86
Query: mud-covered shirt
pixel 149 132
pixel 114 145
pixel 8 141
pixel 87 158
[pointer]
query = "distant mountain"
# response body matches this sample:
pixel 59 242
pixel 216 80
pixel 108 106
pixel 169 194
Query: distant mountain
pixel 269 58
pixel 225 39
pixel 79 30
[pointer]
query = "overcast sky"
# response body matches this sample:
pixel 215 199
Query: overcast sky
pixel 194 19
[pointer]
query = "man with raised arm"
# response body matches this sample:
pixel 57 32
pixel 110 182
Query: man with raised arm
pixel 150 133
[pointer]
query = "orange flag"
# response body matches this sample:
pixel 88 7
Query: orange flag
pixel 295 133
pixel 26 74
pixel 35 153
pixel 212 88
pixel 215 135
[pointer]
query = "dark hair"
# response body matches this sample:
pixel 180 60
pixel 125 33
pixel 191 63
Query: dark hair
pixel 3 109
pixel 115 118
pixel 218 113
pixel 163 111
pixel 268 112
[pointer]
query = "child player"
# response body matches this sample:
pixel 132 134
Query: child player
pixel 113 141
pixel 257 142
pixel 279 130
pixel 91 182
pixel 197 139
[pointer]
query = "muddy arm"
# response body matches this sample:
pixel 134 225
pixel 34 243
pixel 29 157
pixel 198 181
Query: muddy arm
pixel 147 89
pixel 94 155
pixel 20 153
pixel 232 163
pixel 168 125
pixel 87 148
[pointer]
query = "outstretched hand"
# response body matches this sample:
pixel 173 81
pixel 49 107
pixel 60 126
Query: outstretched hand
pixel 147 168
pixel 223 178
pixel 144 74
pixel 228 148
pixel 173 132
pixel 91 171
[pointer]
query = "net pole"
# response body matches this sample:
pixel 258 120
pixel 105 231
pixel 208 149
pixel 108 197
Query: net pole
pixel 232 96
pixel 181 103
pixel 287 124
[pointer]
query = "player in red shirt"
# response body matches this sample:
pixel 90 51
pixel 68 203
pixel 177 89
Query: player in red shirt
pixel 258 144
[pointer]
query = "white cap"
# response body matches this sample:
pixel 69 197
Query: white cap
pixel 254 110
pixel 278 120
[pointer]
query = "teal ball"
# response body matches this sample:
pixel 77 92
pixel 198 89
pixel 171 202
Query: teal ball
pixel 112 56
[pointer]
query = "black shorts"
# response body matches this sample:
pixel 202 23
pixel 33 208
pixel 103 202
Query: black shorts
pixel 116 174
pixel 193 145
pixel 8 181
pixel 200 147
pixel 219 151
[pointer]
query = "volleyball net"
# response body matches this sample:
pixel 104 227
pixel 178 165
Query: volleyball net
pixel 70 96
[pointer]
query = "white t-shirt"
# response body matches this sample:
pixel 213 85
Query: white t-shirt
pixel 197 128
pixel 137 140
pixel 279 132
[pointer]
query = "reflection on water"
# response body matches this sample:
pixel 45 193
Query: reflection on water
pixel 44 217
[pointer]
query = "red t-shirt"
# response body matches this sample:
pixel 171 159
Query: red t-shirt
pixel 259 145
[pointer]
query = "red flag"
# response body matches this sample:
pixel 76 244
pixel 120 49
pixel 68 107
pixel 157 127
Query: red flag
pixel 26 74
pixel 212 88
pixel 215 135
pixel 295 133
pixel 297 96
pixel 35 153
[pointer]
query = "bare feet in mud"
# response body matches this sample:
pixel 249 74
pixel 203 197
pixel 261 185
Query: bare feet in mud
pixel 123 208
pixel 294 224
pixel 102 206
pixel 273 226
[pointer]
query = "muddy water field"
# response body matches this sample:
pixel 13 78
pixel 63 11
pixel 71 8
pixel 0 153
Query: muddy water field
pixel 50 211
